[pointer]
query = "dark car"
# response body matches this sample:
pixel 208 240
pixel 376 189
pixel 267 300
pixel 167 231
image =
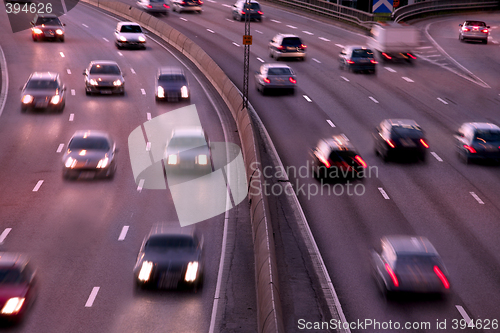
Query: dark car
pixel 474 30
pixel 287 46
pixel 17 285
pixel 171 84
pixel 45 91
pixel 90 154
pixel 47 26
pixel 336 158
pixel 104 77
pixel 400 138
pixel 357 58
pixel 478 141
pixel 154 6
pixel 170 258
pixel 186 6
pixel 241 9
pixel 275 77
pixel 409 264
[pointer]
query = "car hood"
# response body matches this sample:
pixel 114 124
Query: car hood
pixel 173 257
pixel 54 27
pixel 168 86
pixel 105 77
pixel 9 290
pixel 39 92
pixel 90 155
pixel 187 152
pixel 132 36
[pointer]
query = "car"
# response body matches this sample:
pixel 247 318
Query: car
pixel 478 141
pixel 336 158
pixel 170 258
pixel 154 6
pixel 400 138
pixel 18 285
pixel 474 30
pixel 275 77
pixel 188 151
pixel 287 46
pixel 171 84
pixel 186 6
pixel 90 154
pixel 409 264
pixel 43 90
pixel 104 77
pixel 47 26
pixel 130 35
pixel 243 8
pixel 357 58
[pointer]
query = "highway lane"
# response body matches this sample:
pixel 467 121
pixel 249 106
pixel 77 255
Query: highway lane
pixel 72 229
pixel 434 200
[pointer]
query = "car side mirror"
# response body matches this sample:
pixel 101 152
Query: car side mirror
pixel 460 25
pixel 459 134
pixel 124 74
pixel 85 72
pixel 32 24
pixel 64 24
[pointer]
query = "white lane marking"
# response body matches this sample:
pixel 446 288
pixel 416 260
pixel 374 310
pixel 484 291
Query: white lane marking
pixel 386 197
pixel 275 21
pixel 373 99
pixel 339 45
pixel 120 54
pixel 324 39
pixel 143 91
pixel 464 315
pixel 182 18
pixel 291 27
pixel 407 79
pixel 442 100
pixel 236 44
pixel 71 117
pixel 307 32
pixel 4 234
pixel 346 79
pixel 314 59
pixel 132 70
pixel 225 5
pixel 436 156
pixel 141 184
pixel 474 195
pixel 62 54
pixel 259 32
pixel 424 47
pixel 105 39
pixel 86 26
pixel 60 148
pixel 123 233
pixel 92 297
pixel 37 186
pixel 390 69
pixel 229 20
pixel 433 55
pixel 68 71
pixel 307 98
pixel 73 92
pixel 209 30
pixel 148 116
pixel 259 59
pixel 148 146
pixel 330 122
pixel 494 42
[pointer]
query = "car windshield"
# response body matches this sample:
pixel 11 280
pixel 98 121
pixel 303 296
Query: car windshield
pixel 170 242
pixel 476 23
pixel 156 1
pixel 279 71
pixel 292 41
pixel 487 136
pixel 105 69
pixel 10 276
pixel 172 78
pixel 413 260
pixel 131 28
pixel 48 21
pixel 253 5
pixel 42 84
pixel 342 155
pixel 361 53
pixel 89 144
pixel 406 132
pixel 187 142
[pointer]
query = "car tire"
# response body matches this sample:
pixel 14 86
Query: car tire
pixel 271 53
pixel 465 159
pixel 23 109
pixel 88 93
pixel 61 39
pixel 34 38
pixel 292 91
pixel 485 41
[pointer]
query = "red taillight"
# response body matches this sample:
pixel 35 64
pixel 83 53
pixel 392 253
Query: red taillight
pixel 281 47
pixel 442 277
pixel 200 2
pixel 292 80
pixel 361 161
pixel 260 12
pixel 485 31
pixel 149 6
pixel 465 29
pixel 390 143
pixel 386 55
pixel 411 56
pixel 350 61
pixel 393 276
pixel 266 80
pixel 324 161
pixel 422 141
pixel 302 46
pixel 373 61
pixel 470 149
pixel 166 6
pixel 242 12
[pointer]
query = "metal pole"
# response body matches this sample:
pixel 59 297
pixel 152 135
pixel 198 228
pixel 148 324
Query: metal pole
pixel 246 57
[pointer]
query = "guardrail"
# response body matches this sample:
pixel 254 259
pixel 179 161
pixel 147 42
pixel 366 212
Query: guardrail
pixel 413 10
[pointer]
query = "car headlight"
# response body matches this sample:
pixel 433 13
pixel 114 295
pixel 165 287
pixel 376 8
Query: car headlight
pixel 172 159
pixel 93 82
pixel 59 32
pixel 145 271
pixel 27 99
pixel 55 99
pixel 191 271
pixel 142 39
pixel 161 92
pixel 37 31
pixel 70 162
pixel 103 163
pixel 202 159
pixel 117 83
pixel 122 39
pixel 184 92
pixel 13 305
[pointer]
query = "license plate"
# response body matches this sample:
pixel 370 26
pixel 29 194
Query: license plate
pixel 41 104
pixel 49 34
pixel 291 48
pixel 408 143
pixel 107 92
pixel 364 60
pixel 87 174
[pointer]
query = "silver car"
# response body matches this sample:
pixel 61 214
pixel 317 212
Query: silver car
pixel 478 141
pixel 104 77
pixel 129 34
pixel 275 77
pixel 154 6
pixel 187 6
pixel 287 46
pixel 44 90
pixel 474 30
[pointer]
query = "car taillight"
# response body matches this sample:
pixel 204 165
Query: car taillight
pixel 386 55
pixel 200 2
pixel 465 29
pixel 373 61
pixel 392 275
pixel 149 6
pixel 266 80
pixel 242 12
pixel 302 46
pixel 422 141
pixel 350 61
pixel 442 277
pixel 470 149
pixel 485 31
pixel 292 80
pixel 411 56
pixel 324 161
pixel 361 161
pixel 390 143
pixel 166 6
pixel 260 12
pixel 281 47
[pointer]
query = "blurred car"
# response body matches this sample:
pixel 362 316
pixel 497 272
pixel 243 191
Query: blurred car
pixel 104 77
pixel 275 77
pixel 17 285
pixel 47 26
pixel 90 154
pixel 43 90
pixel 188 150
pixel 478 141
pixel 409 264
pixel 241 9
pixel 154 6
pixel 171 84
pixel 129 34
pixel 357 58
pixel 170 258
pixel 400 138
pixel 474 30
pixel 336 158
pixel 186 6
pixel 287 46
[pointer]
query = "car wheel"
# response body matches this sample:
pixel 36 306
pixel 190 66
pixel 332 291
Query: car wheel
pixel 485 41
pixel 271 53
pixel 460 38
pixel 87 92
pixel 34 38
pixel 23 109
pixel 292 91
pixel 263 91
pixel 463 156
pixel 61 39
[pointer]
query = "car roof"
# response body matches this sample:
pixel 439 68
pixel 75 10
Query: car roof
pixel 164 228
pixel 196 131
pixel 127 23
pixel 103 62
pixel 356 47
pixel 410 245
pixel 170 70
pixel 11 259
pixel 47 15
pixel 402 122
pixel 91 134
pixel 287 35
pixel 275 65
pixel 482 126
pixel 44 75
pixel 339 142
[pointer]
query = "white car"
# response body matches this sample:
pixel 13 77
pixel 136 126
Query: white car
pixel 129 34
